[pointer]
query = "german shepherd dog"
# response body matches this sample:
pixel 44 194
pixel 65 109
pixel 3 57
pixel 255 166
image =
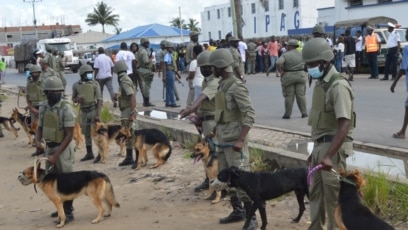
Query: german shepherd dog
pixel 202 152
pixel 25 122
pixel 350 213
pixel 102 134
pixel 8 123
pixel 263 186
pixel 30 127
pixel 60 187
pixel 154 140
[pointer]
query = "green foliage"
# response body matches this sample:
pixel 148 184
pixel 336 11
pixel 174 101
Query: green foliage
pixel 106 115
pixel 256 161
pixel 102 14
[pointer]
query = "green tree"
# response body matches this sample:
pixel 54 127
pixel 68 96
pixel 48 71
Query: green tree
pixel 176 22
pixel 193 25
pixel 117 30
pixel 102 14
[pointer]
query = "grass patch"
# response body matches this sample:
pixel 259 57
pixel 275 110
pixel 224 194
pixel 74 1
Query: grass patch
pixel 106 115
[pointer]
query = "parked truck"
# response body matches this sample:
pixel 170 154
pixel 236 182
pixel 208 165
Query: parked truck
pixel 380 27
pixel 23 53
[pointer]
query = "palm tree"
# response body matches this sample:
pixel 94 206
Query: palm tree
pixel 176 22
pixel 118 30
pixel 102 14
pixel 193 25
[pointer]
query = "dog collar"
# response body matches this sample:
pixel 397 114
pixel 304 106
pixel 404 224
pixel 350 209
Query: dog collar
pixel 348 181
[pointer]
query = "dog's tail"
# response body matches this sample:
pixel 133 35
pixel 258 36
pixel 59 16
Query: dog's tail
pixel 166 157
pixel 109 194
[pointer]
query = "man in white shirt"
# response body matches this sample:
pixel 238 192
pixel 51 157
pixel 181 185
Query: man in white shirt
pixel 391 60
pixel 359 49
pixel 103 67
pixel 125 55
pixel 243 50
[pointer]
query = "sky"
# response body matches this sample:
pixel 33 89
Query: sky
pixel 132 13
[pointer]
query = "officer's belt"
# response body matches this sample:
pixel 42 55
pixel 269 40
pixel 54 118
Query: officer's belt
pixel 294 70
pixel 207 118
pixel 88 108
pixel 329 138
pixel 53 144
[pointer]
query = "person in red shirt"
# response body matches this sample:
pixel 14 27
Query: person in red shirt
pixel 273 50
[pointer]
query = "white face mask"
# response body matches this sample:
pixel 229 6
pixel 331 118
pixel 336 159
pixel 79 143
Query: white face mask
pixel 89 76
pixel 315 72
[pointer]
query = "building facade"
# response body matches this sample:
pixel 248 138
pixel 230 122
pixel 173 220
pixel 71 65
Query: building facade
pixel 261 18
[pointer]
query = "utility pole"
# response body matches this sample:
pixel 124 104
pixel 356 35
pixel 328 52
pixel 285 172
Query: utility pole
pixel 236 14
pixel 35 20
pixel 181 26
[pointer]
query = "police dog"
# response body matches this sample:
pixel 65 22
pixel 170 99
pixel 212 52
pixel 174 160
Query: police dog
pixel 350 212
pixel 29 127
pixel 60 187
pixel 8 123
pixel 102 134
pixel 154 140
pixel 263 186
pixel 202 152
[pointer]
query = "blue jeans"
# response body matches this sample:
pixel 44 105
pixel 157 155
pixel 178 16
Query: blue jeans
pixel 338 60
pixel 272 64
pixel 373 63
pixel 182 63
pixel 170 75
pixel 259 63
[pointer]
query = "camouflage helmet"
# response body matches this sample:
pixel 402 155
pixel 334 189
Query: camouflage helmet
pixel 203 59
pixel 35 68
pixel 144 40
pixel 28 66
pixel 221 58
pixel 169 45
pixel 53 83
pixel 318 29
pixel 44 61
pixel 317 49
pixel 163 42
pixel 85 69
pixel 120 66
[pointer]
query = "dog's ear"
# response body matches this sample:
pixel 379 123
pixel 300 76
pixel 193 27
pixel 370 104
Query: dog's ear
pixel 199 140
pixel 236 171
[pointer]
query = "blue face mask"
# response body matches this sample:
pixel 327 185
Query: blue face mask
pixel 315 72
pixel 89 76
pixel 27 73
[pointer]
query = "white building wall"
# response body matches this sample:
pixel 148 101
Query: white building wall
pixel 396 9
pixel 262 23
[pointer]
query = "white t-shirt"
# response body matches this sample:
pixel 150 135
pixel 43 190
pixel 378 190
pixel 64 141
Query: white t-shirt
pixel 393 39
pixel 359 43
pixel 242 47
pixel 104 65
pixel 340 47
pixel 198 78
pixel 128 57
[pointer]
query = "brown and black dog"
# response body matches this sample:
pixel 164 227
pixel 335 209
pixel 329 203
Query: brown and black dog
pixel 30 128
pixel 350 212
pixel 8 123
pixel 60 187
pixel 103 133
pixel 154 140
pixel 202 152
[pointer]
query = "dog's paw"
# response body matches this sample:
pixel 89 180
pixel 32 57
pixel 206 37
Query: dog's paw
pixel 95 221
pixel 60 225
pixel 215 201
pixel 107 215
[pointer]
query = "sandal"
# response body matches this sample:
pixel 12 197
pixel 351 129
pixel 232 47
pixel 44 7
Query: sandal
pixel 398 135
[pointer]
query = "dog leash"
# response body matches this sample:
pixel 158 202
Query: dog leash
pixel 313 170
pixel 211 141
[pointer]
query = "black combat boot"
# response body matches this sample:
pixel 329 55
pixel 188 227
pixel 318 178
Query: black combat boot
pixel 148 102
pixel 134 165
pixel 89 154
pixel 203 186
pixel 69 216
pixel 97 159
pixel 237 213
pixel 128 159
pixel 253 224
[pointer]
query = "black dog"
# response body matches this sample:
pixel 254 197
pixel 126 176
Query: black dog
pixel 264 186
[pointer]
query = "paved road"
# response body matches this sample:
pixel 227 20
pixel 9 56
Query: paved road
pixel 379 112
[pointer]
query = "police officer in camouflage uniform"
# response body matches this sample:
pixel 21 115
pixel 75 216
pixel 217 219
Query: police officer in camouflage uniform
pixel 205 104
pixel 234 117
pixel 237 66
pixel 56 127
pixel 127 106
pixel 144 68
pixel 46 70
pixel 58 66
pixel 87 93
pixel 293 78
pixel 332 119
pixel 251 65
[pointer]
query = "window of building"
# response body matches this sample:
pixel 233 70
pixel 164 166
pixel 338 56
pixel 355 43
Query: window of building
pixel 281 4
pixel 356 2
pixel 218 14
pixel 219 34
pixel 229 12
pixel 382 1
pixel 253 8
pixel 209 35
pixel 295 3
pixel 266 5
pixel 208 15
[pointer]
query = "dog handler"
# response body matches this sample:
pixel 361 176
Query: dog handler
pixel 87 93
pixel 127 106
pixel 234 116
pixel 56 125
pixel 144 68
pixel 332 119
pixel 205 103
